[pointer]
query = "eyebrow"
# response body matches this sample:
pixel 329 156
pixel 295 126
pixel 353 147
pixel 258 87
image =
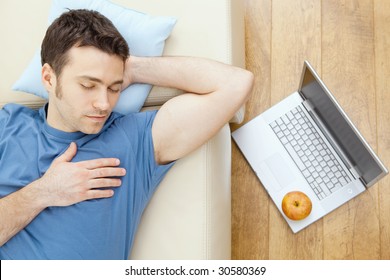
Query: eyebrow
pixel 94 79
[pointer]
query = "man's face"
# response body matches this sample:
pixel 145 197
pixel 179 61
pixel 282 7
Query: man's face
pixel 83 97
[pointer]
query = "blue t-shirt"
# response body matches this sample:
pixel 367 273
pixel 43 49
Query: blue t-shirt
pixel 93 229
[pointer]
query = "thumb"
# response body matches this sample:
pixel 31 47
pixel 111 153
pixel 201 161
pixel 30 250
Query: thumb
pixel 68 154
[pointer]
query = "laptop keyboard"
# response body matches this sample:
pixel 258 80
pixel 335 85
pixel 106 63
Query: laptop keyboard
pixel 310 153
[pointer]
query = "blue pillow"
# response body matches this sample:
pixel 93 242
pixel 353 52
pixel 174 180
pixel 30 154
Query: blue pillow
pixel 144 34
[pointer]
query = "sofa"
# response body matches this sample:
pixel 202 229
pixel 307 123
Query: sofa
pixel 189 216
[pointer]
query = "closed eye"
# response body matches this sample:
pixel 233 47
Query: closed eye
pixel 114 90
pixel 87 86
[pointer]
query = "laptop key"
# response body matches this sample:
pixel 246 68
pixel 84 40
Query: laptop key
pixel 306 173
pixel 336 187
pixel 295 157
pixel 325 189
pixel 285 119
pixel 284 140
pixel 343 181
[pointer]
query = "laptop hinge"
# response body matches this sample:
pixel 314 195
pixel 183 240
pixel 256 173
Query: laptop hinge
pixel 309 107
pixel 354 172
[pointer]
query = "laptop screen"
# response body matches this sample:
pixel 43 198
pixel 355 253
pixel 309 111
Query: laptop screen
pixel 349 141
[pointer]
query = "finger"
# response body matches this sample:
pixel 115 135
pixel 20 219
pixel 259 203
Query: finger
pixel 94 194
pixel 69 154
pixel 104 183
pixel 106 172
pixel 98 163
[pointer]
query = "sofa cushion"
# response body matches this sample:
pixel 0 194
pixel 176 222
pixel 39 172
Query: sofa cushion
pixel 145 35
pixel 189 216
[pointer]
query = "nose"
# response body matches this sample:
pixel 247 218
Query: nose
pixel 101 102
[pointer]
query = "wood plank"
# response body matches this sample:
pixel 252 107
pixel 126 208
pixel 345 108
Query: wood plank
pixel 348 65
pixel 382 67
pixel 249 199
pixel 296 36
pixel 354 60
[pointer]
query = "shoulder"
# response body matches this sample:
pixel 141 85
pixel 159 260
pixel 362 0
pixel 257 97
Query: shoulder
pixel 13 117
pixel 134 121
pixel 16 112
pixel 12 109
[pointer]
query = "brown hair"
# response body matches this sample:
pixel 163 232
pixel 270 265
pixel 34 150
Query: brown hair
pixel 80 28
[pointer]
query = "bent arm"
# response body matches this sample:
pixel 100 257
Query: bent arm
pixel 215 92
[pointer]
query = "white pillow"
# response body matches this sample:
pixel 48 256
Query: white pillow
pixel 144 34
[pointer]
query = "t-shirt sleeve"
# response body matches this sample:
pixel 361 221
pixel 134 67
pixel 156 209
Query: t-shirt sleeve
pixel 4 118
pixel 4 115
pixel 138 128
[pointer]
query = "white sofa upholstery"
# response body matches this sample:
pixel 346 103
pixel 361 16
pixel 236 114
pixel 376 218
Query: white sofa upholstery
pixel 189 216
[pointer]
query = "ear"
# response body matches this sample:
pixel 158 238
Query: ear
pixel 48 78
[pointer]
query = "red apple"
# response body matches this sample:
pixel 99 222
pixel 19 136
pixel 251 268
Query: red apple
pixel 296 205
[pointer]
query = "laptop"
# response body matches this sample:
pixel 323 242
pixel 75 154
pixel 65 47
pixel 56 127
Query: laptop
pixel 307 143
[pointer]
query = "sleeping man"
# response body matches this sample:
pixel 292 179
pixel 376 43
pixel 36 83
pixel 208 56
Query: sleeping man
pixel 81 175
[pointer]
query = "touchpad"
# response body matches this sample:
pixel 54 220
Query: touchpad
pixel 278 172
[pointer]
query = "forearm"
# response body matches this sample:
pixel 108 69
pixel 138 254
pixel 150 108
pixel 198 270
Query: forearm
pixel 17 210
pixel 190 74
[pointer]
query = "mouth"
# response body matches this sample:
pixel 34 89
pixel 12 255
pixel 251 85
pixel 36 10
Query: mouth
pixel 97 118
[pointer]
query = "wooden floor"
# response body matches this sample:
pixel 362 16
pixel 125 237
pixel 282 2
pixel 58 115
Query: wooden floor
pixel 348 43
